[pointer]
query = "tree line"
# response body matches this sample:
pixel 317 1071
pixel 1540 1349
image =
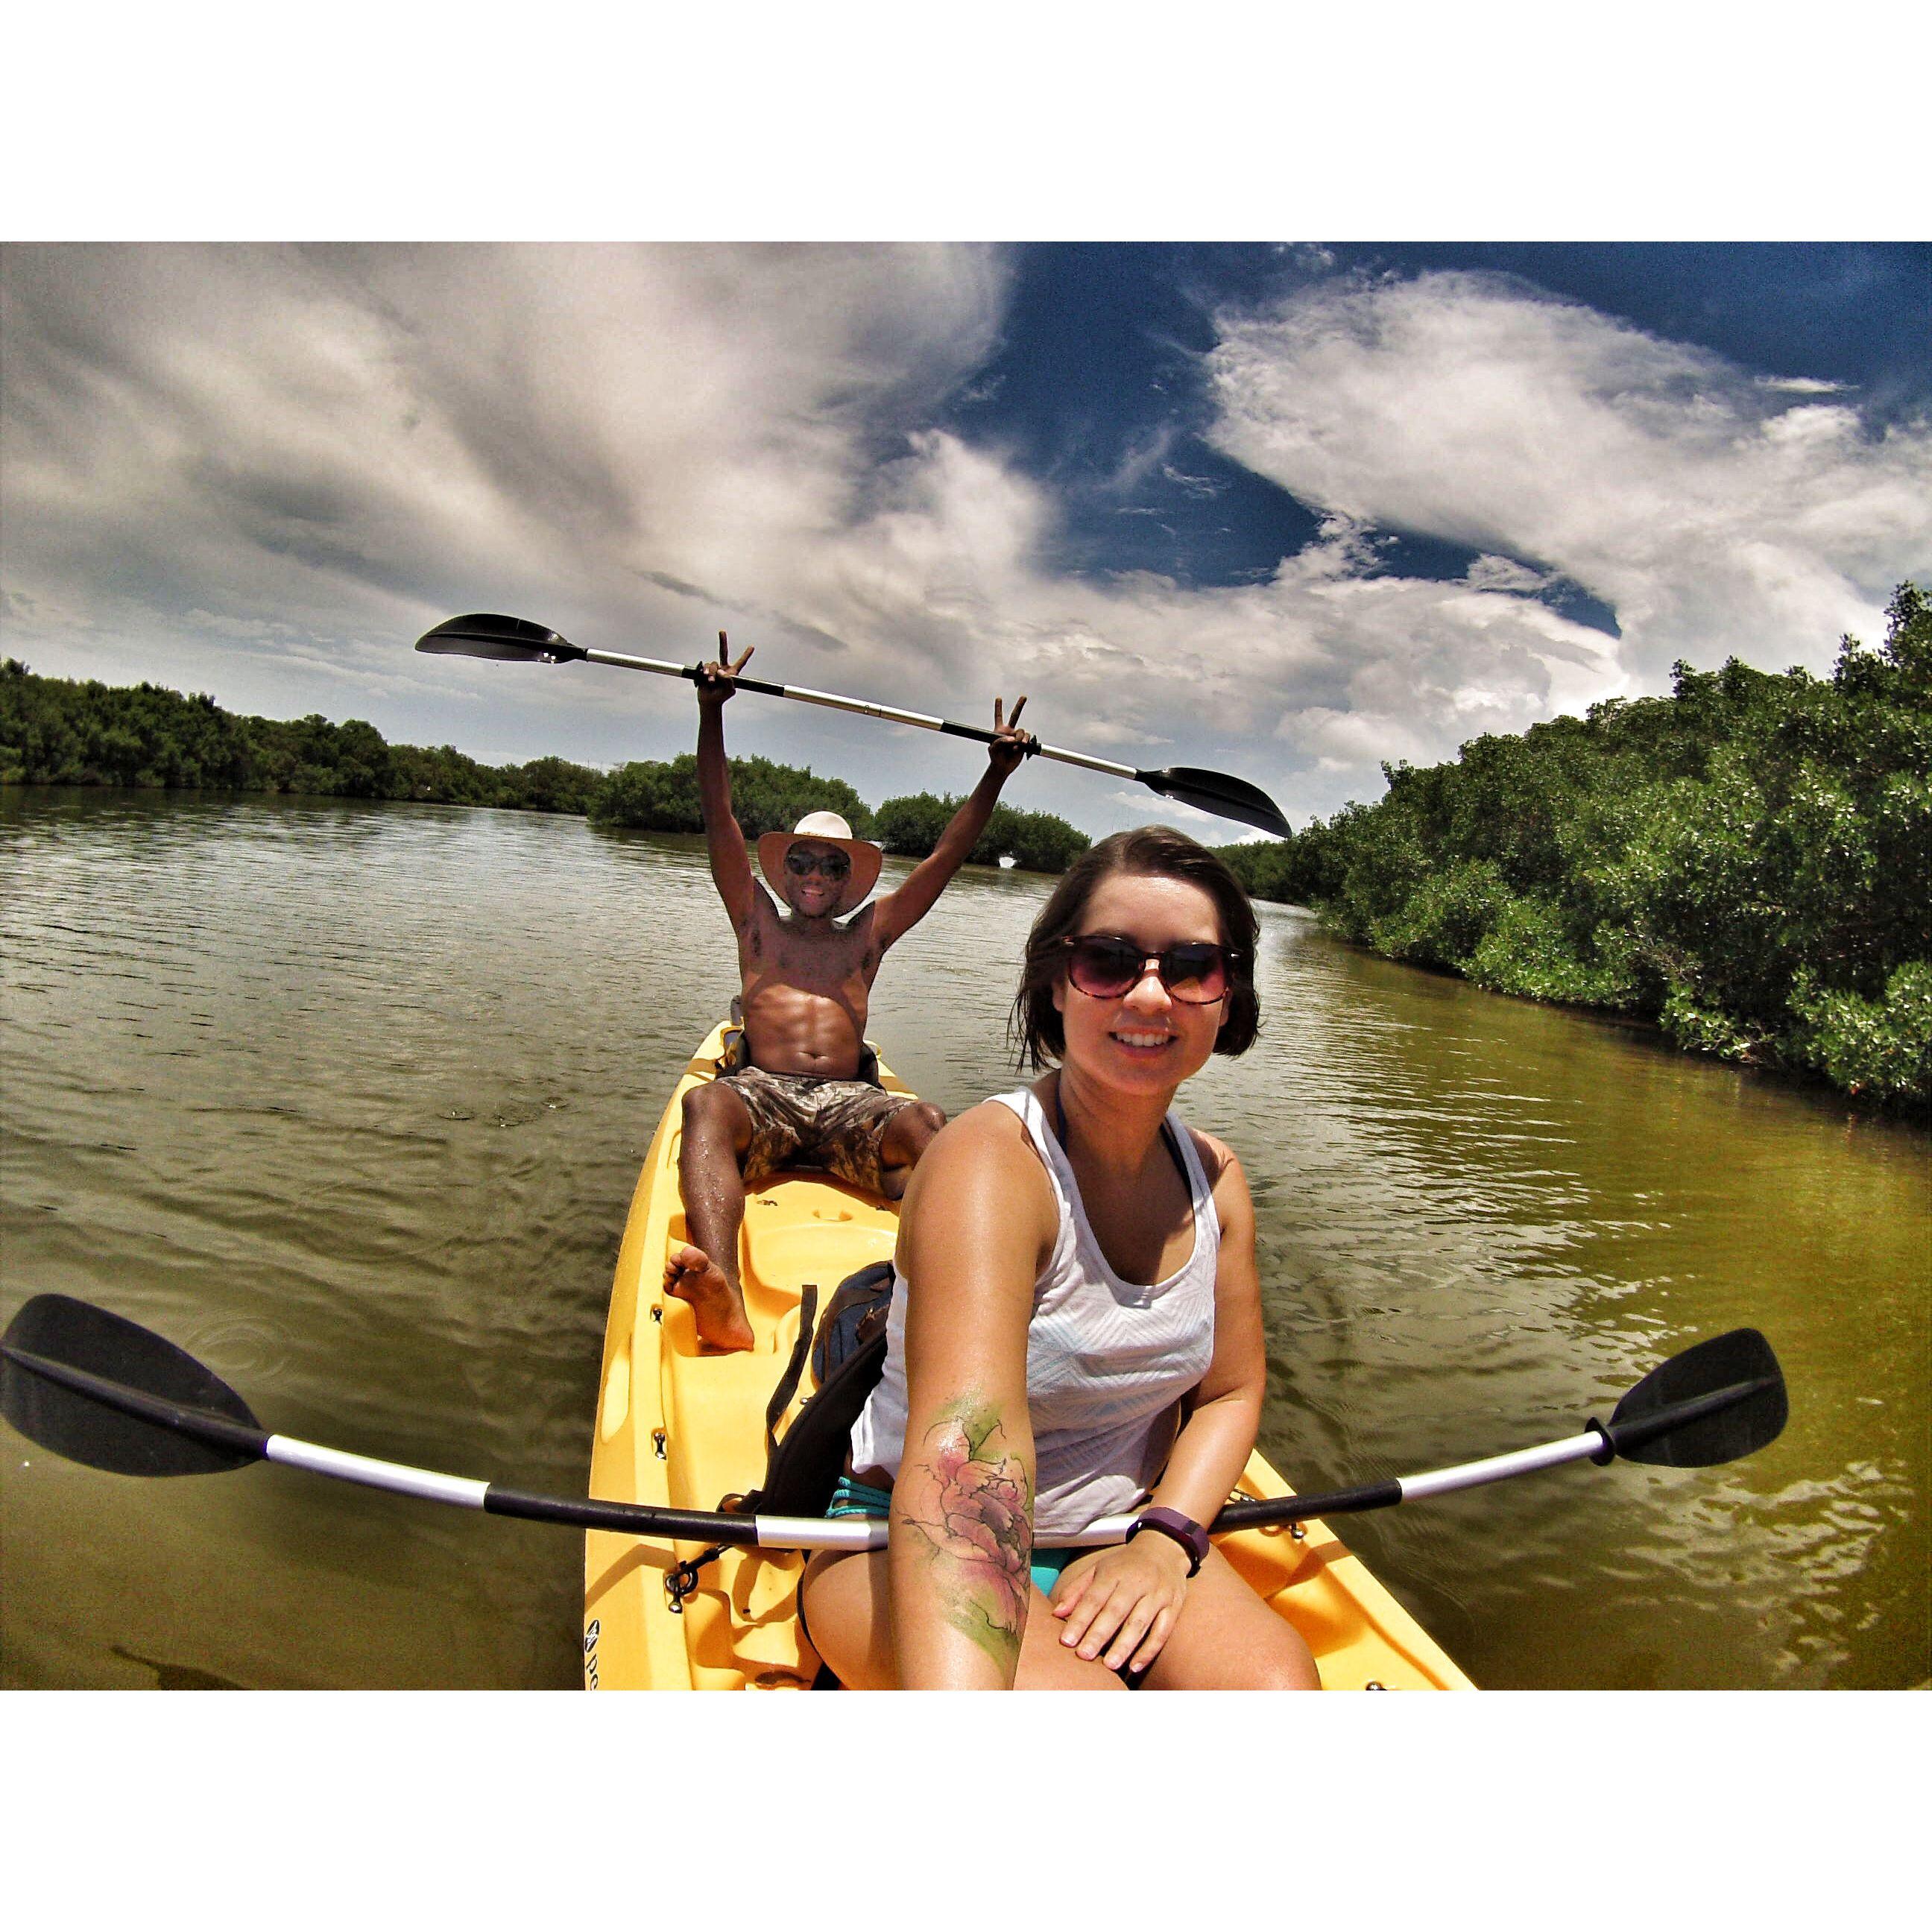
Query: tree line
pixel 1747 862
pixel 1036 841
pixel 56 731
pixel 661 796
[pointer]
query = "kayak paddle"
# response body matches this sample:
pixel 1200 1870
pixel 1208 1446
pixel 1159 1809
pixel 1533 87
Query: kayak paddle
pixel 100 1390
pixel 517 641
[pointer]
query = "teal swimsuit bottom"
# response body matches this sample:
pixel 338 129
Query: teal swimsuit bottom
pixel 861 1499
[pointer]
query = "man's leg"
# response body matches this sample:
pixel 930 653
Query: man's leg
pixel 717 1133
pixel 904 1139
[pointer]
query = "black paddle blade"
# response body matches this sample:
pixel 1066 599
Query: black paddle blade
pixel 1215 791
pixel 484 634
pixel 1717 1401
pixel 156 1411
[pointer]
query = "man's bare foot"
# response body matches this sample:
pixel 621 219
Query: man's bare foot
pixel 692 1275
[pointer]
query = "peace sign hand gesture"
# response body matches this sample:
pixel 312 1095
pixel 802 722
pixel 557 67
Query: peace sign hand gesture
pixel 716 677
pixel 1010 744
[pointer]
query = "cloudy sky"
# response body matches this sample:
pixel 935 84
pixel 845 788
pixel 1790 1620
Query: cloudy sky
pixel 1284 511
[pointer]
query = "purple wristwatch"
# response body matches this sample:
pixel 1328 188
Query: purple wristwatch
pixel 1184 1530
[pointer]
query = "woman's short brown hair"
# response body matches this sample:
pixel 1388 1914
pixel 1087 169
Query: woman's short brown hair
pixel 1154 851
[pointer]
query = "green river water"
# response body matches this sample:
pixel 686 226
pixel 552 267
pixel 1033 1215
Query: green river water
pixel 349 1100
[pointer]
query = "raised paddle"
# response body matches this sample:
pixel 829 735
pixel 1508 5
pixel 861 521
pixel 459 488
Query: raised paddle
pixel 98 1389
pixel 517 641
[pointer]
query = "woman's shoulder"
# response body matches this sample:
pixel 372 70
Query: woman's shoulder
pixel 991 1137
pixel 992 1132
pixel 982 1161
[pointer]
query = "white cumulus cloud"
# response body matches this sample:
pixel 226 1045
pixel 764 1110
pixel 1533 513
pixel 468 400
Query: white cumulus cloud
pixel 1712 512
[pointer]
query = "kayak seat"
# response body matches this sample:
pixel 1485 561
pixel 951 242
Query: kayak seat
pixel 780 1249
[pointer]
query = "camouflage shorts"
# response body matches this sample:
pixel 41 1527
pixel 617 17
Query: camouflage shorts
pixel 798 1119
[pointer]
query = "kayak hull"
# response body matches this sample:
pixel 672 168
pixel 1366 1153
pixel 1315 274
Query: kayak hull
pixel 682 1429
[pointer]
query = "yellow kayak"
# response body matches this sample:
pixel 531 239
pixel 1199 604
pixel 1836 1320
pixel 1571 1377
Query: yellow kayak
pixel 682 1429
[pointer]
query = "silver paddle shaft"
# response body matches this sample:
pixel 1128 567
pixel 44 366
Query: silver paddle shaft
pixel 859 1533
pixel 831 700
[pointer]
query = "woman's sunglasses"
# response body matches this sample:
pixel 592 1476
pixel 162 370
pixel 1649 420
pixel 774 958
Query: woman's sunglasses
pixel 828 864
pixel 1105 966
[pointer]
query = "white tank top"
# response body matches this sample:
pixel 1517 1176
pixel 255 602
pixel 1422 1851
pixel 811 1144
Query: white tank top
pixel 1107 1360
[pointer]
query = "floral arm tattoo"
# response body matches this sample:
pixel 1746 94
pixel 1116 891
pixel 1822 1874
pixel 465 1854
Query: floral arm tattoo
pixel 972 1503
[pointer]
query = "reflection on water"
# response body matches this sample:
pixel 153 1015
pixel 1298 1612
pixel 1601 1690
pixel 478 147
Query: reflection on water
pixel 349 1100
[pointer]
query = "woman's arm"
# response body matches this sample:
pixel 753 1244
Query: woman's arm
pixel 977 1222
pixel 1121 1604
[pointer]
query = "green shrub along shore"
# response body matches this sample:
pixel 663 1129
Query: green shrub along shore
pixel 56 731
pixel 1747 862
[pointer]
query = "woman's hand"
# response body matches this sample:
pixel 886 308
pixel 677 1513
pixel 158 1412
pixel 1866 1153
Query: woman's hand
pixel 1120 1603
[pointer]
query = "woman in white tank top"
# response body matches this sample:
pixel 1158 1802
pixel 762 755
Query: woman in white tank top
pixel 1076 1331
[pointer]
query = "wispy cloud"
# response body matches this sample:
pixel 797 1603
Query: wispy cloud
pixel 1505 573
pixel 1194 486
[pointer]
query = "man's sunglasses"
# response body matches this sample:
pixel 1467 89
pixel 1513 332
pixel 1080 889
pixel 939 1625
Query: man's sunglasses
pixel 827 865
pixel 1105 966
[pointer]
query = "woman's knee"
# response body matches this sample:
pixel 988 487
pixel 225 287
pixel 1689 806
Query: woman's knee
pixel 1289 1669
pixel 1279 1660
pixel 1228 1639
pixel 1045 1663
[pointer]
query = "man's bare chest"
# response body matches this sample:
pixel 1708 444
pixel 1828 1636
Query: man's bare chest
pixel 822 962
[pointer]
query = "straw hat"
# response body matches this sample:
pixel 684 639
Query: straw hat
pixel 823 828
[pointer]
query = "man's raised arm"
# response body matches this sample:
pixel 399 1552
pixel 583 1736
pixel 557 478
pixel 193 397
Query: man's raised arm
pixel 899 912
pixel 724 838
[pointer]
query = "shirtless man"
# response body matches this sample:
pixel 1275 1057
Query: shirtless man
pixel 808 984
